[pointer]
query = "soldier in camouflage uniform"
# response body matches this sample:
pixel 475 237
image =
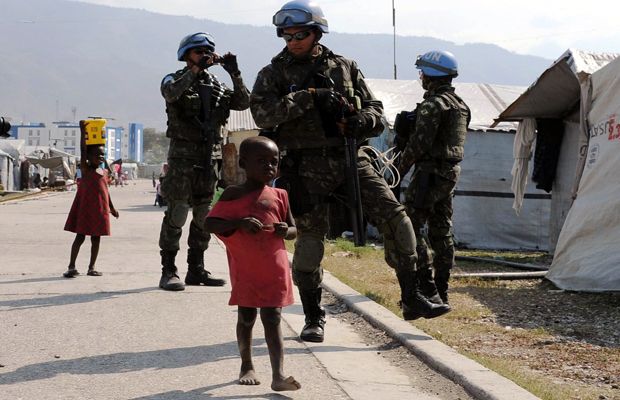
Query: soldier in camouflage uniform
pixel 435 146
pixel 300 96
pixel 194 126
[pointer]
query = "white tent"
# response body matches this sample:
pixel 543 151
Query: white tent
pixel 556 95
pixel 587 257
pixel 483 216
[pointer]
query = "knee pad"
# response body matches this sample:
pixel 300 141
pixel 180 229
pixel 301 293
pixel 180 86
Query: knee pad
pixel 177 214
pixel 400 243
pixel 309 250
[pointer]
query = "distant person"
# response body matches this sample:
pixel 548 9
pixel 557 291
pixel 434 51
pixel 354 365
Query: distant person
pixel 91 206
pixel 159 200
pixel 198 105
pixel 153 177
pixel 435 146
pixel 36 181
pixel 253 219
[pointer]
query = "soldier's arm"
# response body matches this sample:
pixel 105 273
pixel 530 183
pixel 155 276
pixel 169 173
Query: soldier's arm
pixel 172 89
pixel 240 97
pixel 421 139
pixel 372 109
pixel 269 107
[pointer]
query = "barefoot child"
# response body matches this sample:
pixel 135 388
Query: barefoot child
pixel 253 219
pixel 91 206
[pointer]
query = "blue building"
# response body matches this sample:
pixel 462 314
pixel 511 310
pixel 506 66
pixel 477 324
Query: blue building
pixel 136 142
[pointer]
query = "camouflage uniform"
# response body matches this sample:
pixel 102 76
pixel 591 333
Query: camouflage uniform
pixel 436 148
pixel 315 161
pixel 188 183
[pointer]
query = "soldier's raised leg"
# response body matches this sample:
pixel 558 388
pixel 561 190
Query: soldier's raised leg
pixel 385 212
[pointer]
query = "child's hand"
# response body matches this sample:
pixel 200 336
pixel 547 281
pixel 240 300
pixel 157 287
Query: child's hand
pixel 280 228
pixel 114 212
pixel 251 224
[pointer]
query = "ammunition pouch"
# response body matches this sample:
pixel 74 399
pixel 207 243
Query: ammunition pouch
pixel 404 124
pixel 300 199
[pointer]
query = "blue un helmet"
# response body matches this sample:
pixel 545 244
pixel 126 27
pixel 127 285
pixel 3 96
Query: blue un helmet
pixel 200 39
pixel 438 63
pixel 300 13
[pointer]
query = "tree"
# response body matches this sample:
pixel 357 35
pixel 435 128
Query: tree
pixel 155 146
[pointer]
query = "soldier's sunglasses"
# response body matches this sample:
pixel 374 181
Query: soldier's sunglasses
pixel 297 35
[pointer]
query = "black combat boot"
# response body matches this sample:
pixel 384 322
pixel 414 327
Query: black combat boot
pixel 169 278
pixel 414 304
pixel 196 273
pixel 441 282
pixel 427 284
pixel 313 330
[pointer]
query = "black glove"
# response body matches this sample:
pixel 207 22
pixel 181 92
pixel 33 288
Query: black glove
pixel 328 102
pixel 229 63
pixel 356 125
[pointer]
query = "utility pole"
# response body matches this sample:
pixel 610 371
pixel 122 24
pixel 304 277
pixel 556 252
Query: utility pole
pixel 394 26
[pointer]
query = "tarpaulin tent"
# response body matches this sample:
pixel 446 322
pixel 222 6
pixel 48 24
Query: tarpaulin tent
pixel 556 95
pixel 587 255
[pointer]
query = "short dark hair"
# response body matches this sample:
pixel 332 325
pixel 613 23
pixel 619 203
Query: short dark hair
pixel 253 142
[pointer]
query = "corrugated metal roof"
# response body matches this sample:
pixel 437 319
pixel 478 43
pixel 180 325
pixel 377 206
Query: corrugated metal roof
pixel 485 100
pixel 241 121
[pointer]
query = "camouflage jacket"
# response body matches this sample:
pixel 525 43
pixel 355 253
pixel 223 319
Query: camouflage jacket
pixel 436 143
pixel 184 109
pixel 279 101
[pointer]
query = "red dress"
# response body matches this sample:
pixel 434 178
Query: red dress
pixel 90 212
pixel 260 274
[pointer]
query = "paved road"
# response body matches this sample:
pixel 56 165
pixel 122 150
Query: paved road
pixel 119 337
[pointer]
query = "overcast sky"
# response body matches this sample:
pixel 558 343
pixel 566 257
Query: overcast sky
pixel 538 27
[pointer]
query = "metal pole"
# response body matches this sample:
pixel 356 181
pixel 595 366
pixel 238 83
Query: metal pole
pixel 394 26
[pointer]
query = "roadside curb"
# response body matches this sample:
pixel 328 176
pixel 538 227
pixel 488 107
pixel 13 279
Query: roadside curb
pixel 478 380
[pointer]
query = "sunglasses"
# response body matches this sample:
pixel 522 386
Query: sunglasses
pixel 297 36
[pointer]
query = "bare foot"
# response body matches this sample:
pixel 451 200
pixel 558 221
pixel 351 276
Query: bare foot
pixel 248 378
pixel 280 385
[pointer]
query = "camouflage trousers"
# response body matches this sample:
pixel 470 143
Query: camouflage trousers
pixel 324 175
pixel 429 205
pixel 186 187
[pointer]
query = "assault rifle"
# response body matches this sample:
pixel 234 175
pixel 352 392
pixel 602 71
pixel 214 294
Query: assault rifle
pixel 354 199
pixel 205 92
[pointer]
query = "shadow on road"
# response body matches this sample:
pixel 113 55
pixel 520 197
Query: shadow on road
pixel 202 393
pixel 66 299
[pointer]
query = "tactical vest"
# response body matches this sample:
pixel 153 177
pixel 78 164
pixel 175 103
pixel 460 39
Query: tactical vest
pixel 185 119
pixel 308 131
pixel 455 116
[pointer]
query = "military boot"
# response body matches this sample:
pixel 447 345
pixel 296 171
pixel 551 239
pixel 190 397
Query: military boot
pixel 414 304
pixel 169 278
pixel 427 284
pixel 196 273
pixel 314 329
pixel 441 282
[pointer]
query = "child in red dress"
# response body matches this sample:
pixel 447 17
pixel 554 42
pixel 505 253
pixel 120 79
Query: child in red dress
pixel 90 209
pixel 252 219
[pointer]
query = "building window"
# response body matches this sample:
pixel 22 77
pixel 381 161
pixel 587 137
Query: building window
pixel 73 132
pixel 29 132
pixel 29 142
pixel 38 132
